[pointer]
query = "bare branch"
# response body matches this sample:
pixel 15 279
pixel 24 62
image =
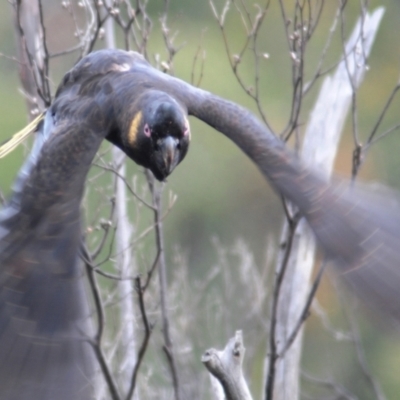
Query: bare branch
pixel 382 115
pixel 97 341
pixel 226 366
pixel 320 144
pixel 148 328
pixel 273 349
pixel 305 313
pixel 162 270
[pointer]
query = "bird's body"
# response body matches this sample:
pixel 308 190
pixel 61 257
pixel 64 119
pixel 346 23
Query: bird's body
pixel 117 95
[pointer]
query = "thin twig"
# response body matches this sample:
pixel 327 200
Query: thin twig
pixel 273 350
pixel 148 328
pixel 162 270
pixel 305 313
pixel 106 229
pixel 96 343
pixel 383 113
pixel 128 186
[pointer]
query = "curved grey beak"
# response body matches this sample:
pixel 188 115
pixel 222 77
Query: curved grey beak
pixel 170 153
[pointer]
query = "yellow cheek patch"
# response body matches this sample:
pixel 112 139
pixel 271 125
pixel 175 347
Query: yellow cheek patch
pixel 133 130
pixel 187 128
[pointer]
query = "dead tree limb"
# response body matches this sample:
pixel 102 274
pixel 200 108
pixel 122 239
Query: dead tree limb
pixel 32 55
pixel 226 366
pixel 319 148
pixel 125 261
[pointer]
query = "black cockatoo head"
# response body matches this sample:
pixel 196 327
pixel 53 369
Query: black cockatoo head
pixel 157 134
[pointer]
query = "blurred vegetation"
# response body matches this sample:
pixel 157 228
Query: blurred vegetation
pixel 220 193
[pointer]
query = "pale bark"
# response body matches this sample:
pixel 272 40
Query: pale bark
pixel 29 38
pixel 319 149
pixel 125 262
pixel 226 367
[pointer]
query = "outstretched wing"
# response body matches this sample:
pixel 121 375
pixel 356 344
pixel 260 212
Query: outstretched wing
pixel 44 317
pixel 359 228
pixel 45 327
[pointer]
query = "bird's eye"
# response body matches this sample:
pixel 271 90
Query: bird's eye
pixel 147 130
pixel 178 145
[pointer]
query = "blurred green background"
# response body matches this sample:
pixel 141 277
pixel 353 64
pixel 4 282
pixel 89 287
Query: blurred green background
pixel 220 193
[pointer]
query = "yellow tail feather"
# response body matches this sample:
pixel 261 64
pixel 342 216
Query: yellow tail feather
pixel 19 137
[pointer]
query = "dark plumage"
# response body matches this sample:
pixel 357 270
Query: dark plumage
pixel 157 137
pixel 117 95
